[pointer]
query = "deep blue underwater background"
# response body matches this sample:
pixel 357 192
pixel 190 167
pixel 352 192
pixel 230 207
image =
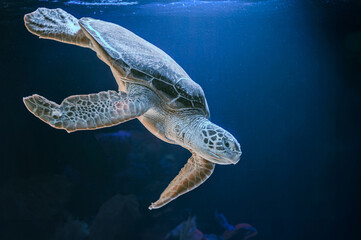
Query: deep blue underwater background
pixel 283 76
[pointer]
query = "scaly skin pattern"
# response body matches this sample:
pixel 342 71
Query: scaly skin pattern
pixel 84 112
pixel 56 24
pixel 209 143
pixel 194 173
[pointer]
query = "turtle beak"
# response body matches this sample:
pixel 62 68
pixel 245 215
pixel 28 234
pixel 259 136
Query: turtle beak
pixel 237 153
pixel 236 157
pixel 221 160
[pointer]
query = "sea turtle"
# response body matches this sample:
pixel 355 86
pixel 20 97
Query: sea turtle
pixel 152 88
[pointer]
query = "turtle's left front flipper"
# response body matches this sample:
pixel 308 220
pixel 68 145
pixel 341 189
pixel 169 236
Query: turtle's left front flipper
pixel 194 173
pixel 83 112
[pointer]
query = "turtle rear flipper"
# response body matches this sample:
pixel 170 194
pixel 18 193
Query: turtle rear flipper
pixel 85 112
pixel 196 171
pixel 56 24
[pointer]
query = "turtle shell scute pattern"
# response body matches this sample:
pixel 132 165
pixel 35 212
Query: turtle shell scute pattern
pixel 184 94
pixel 190 92
pixel 140 76
pixel 143 63
pixel 167 90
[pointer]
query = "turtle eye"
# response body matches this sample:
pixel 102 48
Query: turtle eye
pixel 226 143
pixel 229 144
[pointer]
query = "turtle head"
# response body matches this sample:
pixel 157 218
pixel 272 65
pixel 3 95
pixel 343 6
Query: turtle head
pixel 217 145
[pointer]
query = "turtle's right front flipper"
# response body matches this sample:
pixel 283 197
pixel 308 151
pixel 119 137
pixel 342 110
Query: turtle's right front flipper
pixel 83 112
pixel 194 173
pixel 56 24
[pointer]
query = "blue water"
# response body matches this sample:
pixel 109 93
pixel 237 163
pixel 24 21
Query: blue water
pixel 283 76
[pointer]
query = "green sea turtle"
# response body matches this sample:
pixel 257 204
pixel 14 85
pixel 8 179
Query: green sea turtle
pixel 152 88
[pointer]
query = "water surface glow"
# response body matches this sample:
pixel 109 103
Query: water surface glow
pixel 101 3
pixel 165 8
